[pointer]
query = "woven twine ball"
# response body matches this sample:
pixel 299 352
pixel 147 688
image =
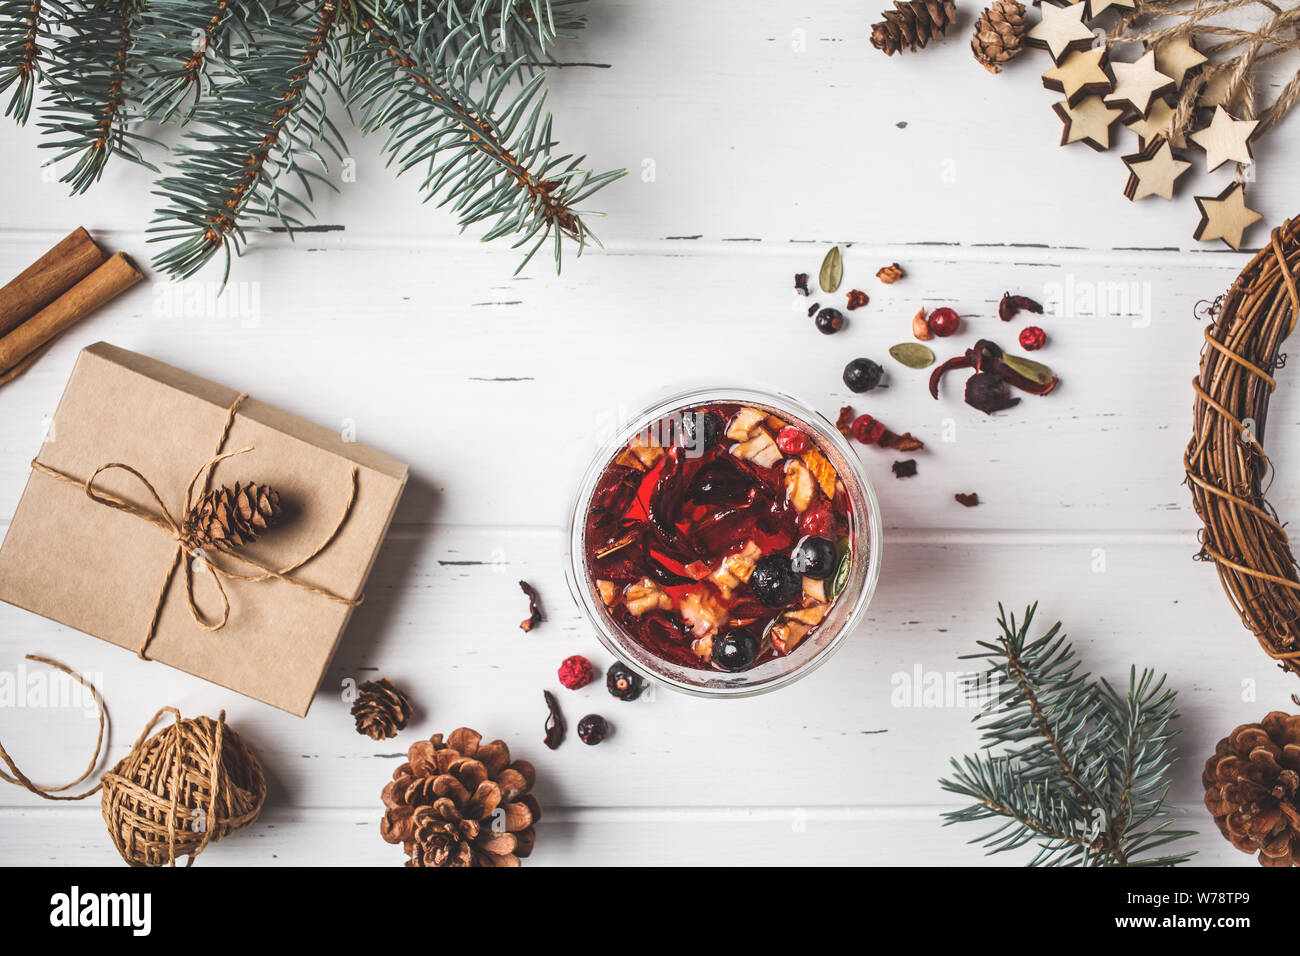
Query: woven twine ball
pixel 191 783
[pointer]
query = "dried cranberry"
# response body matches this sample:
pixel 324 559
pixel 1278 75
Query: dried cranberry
pixel 867 430
pixel 592 729
pixel 817 521
pixel 791 440
pixel 575 672
pixel 857 299
pixel 944 322
pixel 1032 338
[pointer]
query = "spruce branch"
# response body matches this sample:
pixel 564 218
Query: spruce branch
pixel 89 75
pixel 442 107
pixel 23 25
pixel 1068 764
pixel 266 124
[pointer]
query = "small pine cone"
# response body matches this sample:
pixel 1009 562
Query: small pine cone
pixel 381 709
pixel 461 803
pixel 998 34
pixel 1252 788
pixel 912 24
pixel 229 517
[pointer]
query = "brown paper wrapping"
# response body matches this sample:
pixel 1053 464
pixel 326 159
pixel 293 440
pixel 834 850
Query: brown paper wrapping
pixel 102 571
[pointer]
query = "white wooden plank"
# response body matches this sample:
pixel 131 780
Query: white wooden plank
pixel 858 730
pixel 772 122
pixel 740 836
pixel 477 380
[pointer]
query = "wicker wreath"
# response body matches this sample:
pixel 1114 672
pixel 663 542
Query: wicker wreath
pixel 1227 469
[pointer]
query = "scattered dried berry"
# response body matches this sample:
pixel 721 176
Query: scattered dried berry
pixel 1032 338
pixel 867 430
pixel 813 309
pixel 791 440
pixel 735 650
pixel 862 375
pixel 904 442
pixel 967 499
pixel 988 393
pixel 534 607
pixel 801 283
pixel 944 322
pixel 623 683
pixel 920 327
pixel 890 274
pixel 575 672
pixel 555 728
pixel 857 299
pixel 904 469
pixel 844 421
pixel 829 321
pixel 592 729
pixel 1011 305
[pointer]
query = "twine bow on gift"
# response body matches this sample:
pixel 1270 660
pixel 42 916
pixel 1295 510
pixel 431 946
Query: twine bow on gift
pixel 187 544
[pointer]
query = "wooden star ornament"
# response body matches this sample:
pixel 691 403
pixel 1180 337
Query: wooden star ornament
pixel 1153 171
pixel 1225 216
pixel 1159 123
pixel 1225 139
pixel 1089 122
pixel 1060 31
pixel 1177 57
pixel 1081 74
pixel 1138 85
pixel 1097 7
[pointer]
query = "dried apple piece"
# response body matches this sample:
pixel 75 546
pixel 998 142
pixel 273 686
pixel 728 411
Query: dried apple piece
pixel 702 647
pixel 799 485
pixel 647 450
pixel 702 611
pixel 736 568
pixel 761 449
pixel 608 592
pixel 811 615
pixel 628 459
pixel 645 595
pixel 743 423
pixel 814 589
pixel 786 636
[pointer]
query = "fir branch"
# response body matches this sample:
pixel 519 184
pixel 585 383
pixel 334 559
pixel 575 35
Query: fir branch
pixel 490 163
pixel 89 74
pixel 1069 764
pixel 266 124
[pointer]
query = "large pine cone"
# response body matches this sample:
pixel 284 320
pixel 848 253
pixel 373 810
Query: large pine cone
pixel 912 24
pixel 229 517
pixel 998 34
pixel 1252 785
pixel 381 709
pixel 461 803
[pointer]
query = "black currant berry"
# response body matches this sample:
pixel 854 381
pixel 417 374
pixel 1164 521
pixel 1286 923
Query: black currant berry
pixel 773 581
pixel 735 650
pixel 814 558
pixel 862 375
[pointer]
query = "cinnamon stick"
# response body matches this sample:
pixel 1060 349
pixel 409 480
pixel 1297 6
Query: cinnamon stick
pixel 113 277
pixel 71 260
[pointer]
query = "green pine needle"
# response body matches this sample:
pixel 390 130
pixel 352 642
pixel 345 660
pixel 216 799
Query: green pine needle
pixel 1069 765
pixel 456 87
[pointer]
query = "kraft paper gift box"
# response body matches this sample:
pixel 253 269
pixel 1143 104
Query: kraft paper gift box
pixel 124 575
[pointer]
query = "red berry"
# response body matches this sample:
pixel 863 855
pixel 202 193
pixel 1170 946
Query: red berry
pixel 791 440
pixel 575 672
pixel 867 430
pixel 817 521
pixel 944 322
pixel 1032 338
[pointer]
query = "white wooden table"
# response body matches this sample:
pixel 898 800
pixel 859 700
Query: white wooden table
pixel 756 135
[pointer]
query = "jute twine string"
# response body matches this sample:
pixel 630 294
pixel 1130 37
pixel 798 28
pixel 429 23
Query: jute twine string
pixel 1276 35
pixel 190 784
pixel 1227 469
pixel 186 543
